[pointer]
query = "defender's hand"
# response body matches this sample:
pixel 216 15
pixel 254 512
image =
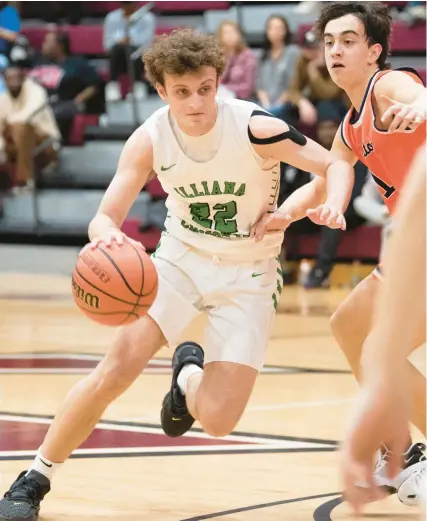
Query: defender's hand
pixel 326 215
pixel 270 222
pixel 405 117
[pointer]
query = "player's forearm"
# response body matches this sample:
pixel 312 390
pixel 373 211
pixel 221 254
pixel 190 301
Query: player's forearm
pixel 339 184
pixel 100 225
pixel 308 196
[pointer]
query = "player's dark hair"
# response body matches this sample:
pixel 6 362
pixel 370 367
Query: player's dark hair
pixel 375 17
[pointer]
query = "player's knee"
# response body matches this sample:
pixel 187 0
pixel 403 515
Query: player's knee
pixel 217 427
pixel 219 420
pixel 114 380
pixel 337 320
pixel 121 367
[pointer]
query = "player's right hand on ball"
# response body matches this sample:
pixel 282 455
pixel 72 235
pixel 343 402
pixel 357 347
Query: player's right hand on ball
pixel 109 238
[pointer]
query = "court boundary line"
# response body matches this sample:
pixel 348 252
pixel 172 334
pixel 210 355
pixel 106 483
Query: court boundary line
pixel 323 512
pixel 333 443
pixel 261 506
pixel 95 357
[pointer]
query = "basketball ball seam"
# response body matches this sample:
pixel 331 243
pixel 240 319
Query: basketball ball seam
pixel 102 291
pixel 105 313
pixel 119 272
pixel 142 285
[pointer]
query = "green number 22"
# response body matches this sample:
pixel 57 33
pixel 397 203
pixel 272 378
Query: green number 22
pixel 223 216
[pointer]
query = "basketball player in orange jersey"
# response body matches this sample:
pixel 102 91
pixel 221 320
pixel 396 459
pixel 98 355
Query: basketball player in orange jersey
pixel 384 129
pixel 218 160
pixel 382 411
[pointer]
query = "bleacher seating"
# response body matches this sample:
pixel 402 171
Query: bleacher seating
pixel 100 9
pixel 89 169
pixel 404 38
pixel 362 244
pixel 84 39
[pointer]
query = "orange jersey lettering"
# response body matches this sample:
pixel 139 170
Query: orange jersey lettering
pixel 388 156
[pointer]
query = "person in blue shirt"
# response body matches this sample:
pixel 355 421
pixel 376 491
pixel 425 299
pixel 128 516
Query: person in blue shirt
pixel 10 25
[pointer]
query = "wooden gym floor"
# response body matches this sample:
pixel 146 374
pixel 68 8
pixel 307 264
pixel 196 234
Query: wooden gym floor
pixel 281 464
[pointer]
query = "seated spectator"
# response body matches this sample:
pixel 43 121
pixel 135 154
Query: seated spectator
pixel 370 204
pixel 329 240
pixel 74 85
pixel 311 84
pixel 122 36
pixel 277 65
pixel 26 121
pixel 239 74
pixel 414 13
pixel 10 25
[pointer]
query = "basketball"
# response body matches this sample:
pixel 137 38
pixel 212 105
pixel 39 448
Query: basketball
pixel 115 285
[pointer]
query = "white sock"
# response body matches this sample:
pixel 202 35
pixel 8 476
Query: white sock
pixel 185 373
pixel 43 466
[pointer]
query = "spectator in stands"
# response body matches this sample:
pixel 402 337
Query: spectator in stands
pixel 312 84
pixel 277 65
pixel 26 121
pixel 74 85
pixel 10 25
pixel 124 34
pixel 239 74
pixel 414 13
pixel 370 204
pixel 329 119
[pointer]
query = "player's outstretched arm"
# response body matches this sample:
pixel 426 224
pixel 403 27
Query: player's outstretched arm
pixel 273 138
pixel 402 102
pixel 134 169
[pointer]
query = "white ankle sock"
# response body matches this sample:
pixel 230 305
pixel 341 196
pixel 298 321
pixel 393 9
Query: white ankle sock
pixel 43 466
pixel 185 373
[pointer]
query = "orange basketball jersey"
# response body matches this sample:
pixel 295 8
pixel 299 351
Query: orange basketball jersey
pixel 388 156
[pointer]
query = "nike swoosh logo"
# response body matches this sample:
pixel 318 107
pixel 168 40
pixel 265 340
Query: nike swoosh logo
pixel 176 419
pixel 44 463
pixel 258 274
pixel 163 168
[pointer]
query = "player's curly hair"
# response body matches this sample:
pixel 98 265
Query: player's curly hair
pixel 375 17
pixel 180 52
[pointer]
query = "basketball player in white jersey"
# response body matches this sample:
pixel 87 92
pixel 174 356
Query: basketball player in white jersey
pixel 383 410
pixel 218 161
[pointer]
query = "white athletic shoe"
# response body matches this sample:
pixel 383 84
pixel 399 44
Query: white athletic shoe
pixel 413 491
pixel 408 483
pixel 112 92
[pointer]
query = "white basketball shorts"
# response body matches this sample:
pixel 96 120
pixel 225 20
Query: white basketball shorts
pixel 240 301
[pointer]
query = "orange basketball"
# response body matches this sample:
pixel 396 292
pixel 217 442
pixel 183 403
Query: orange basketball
pixel 115 285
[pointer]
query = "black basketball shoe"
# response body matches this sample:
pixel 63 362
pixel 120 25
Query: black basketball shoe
pixel 22 501
pixel 175 418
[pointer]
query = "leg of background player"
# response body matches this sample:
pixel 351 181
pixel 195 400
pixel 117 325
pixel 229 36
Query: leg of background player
pixel 351 324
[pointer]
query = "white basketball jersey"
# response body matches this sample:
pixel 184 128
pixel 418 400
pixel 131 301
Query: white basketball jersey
pixel 213 204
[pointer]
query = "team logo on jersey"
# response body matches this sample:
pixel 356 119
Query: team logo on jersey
pixel 368 148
